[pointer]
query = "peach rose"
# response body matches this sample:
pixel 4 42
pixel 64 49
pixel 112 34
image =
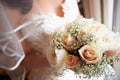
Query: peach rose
pixel 112 53
pixel 72 61
pixel 93 29
pixel 98 27
pixel 90 54
pixel 69 42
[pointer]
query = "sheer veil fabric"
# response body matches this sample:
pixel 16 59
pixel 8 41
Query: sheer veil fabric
pixel 11 51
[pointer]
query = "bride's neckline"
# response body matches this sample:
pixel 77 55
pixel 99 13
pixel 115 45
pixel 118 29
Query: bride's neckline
pixel 55 13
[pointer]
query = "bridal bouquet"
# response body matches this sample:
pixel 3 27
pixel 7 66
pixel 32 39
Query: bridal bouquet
pixel 84 46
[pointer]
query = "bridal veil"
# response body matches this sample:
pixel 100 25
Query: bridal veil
pixel 11 51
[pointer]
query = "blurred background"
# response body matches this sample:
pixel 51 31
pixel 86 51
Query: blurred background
pixel 104 11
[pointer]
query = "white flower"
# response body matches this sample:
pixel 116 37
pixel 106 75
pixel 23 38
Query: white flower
pixel 61 54
pixel 106 38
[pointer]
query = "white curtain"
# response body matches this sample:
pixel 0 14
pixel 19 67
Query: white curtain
pixel 92 9
pixel 108 12
pixel 100 10
pixel 116 23
pixel 116 16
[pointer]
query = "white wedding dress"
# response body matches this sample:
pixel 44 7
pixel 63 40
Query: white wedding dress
pixel 70 75
pixel 46 24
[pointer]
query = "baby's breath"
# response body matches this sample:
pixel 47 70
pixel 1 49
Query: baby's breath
pixel 56 41
pixel 85 39
pixel 74 29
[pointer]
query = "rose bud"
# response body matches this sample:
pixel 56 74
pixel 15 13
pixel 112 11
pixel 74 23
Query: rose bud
pixel 69 42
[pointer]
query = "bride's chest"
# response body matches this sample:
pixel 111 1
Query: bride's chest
pixel 52 6
pixel 65 10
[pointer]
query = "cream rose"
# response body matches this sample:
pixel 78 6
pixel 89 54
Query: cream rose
pixel 90 54
pixel 93 28
pixel 69 42
pixel 72 61
pixel 56 57
pixel 61 55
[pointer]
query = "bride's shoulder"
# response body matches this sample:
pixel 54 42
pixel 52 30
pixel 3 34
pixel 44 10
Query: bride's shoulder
pixel 73 0
pixel 78 0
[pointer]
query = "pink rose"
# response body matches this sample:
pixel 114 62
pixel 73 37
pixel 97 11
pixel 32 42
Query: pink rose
pixel 112 53
pixel 90 54
pixel 72 61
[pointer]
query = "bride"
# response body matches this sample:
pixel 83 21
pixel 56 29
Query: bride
pixel 48 16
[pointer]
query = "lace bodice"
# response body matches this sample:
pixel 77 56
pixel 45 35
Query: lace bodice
pixel 46 24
